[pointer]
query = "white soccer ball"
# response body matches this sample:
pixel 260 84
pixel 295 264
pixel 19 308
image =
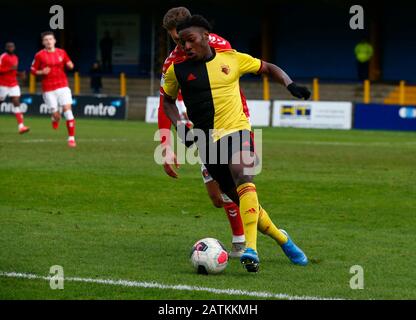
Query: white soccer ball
pixel 209 256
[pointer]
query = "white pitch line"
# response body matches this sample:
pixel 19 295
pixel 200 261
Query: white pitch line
pixel 318 143
pixel 349 144
pixel 179 287
pixel 60 140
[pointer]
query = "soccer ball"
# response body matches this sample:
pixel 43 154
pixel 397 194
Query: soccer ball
pixel 208 256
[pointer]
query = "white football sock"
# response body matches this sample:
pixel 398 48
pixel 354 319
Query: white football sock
pixel 69 115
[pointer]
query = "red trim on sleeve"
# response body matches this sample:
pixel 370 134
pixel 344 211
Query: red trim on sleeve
pixel 261 65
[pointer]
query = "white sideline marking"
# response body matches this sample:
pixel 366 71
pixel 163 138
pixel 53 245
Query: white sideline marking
pixel 63 139
pixel 318 143
pixel 350 143
pixel 179 287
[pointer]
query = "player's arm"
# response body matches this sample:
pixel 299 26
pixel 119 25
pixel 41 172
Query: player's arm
pixel 278 75
pixel 35 68
pixel 164 125
pixel 170 109
pixel 170 94
pixel 182 126
pixel 172 112
pixel 20 74
pixel 68 62
pixel 168 113
pixel 15 66
pixel 167 103
pixel 170 90
pixel 275 73
pixel 3 66
pixel 248 64
pixel 11 67
pixel 163 121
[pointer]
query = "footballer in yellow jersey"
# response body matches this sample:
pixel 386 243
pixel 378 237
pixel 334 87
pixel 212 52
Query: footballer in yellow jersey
pixel 209 82
pixel 212 90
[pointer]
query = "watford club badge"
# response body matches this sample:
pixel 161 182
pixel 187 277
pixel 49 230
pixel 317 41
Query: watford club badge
pixel 225 69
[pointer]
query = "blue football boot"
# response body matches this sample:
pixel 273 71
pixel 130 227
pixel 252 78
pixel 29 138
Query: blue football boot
pixel 250 260
pixel 293 252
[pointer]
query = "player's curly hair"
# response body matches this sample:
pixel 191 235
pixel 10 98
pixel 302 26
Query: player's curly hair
pixel 194 21
pixel 174 16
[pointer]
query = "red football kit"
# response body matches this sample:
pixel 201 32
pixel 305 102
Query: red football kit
pixel 56 61
pixel 56 79
pixel 8 76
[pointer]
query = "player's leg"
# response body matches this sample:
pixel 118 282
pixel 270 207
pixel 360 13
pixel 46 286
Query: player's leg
pixel 3 93
pixel 18 114
pixel 233 213
pixel 265 224
pixel 254 216
pixel 55 118
pixel 222 174
pixel 65 99
pixel 221 200
pixel 248 204
pixel 239 152
pixel 70 125
pixel 14 94
pixel 220 171
pixel 249 210
pixel 267 227
pixel 238 166
pixel 51 100
pixel 291 250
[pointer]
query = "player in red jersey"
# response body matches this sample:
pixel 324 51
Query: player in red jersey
pixel 50 63
pixel 218 198
pixel 9 85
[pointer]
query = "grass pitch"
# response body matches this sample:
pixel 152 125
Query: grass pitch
pixel 105 210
